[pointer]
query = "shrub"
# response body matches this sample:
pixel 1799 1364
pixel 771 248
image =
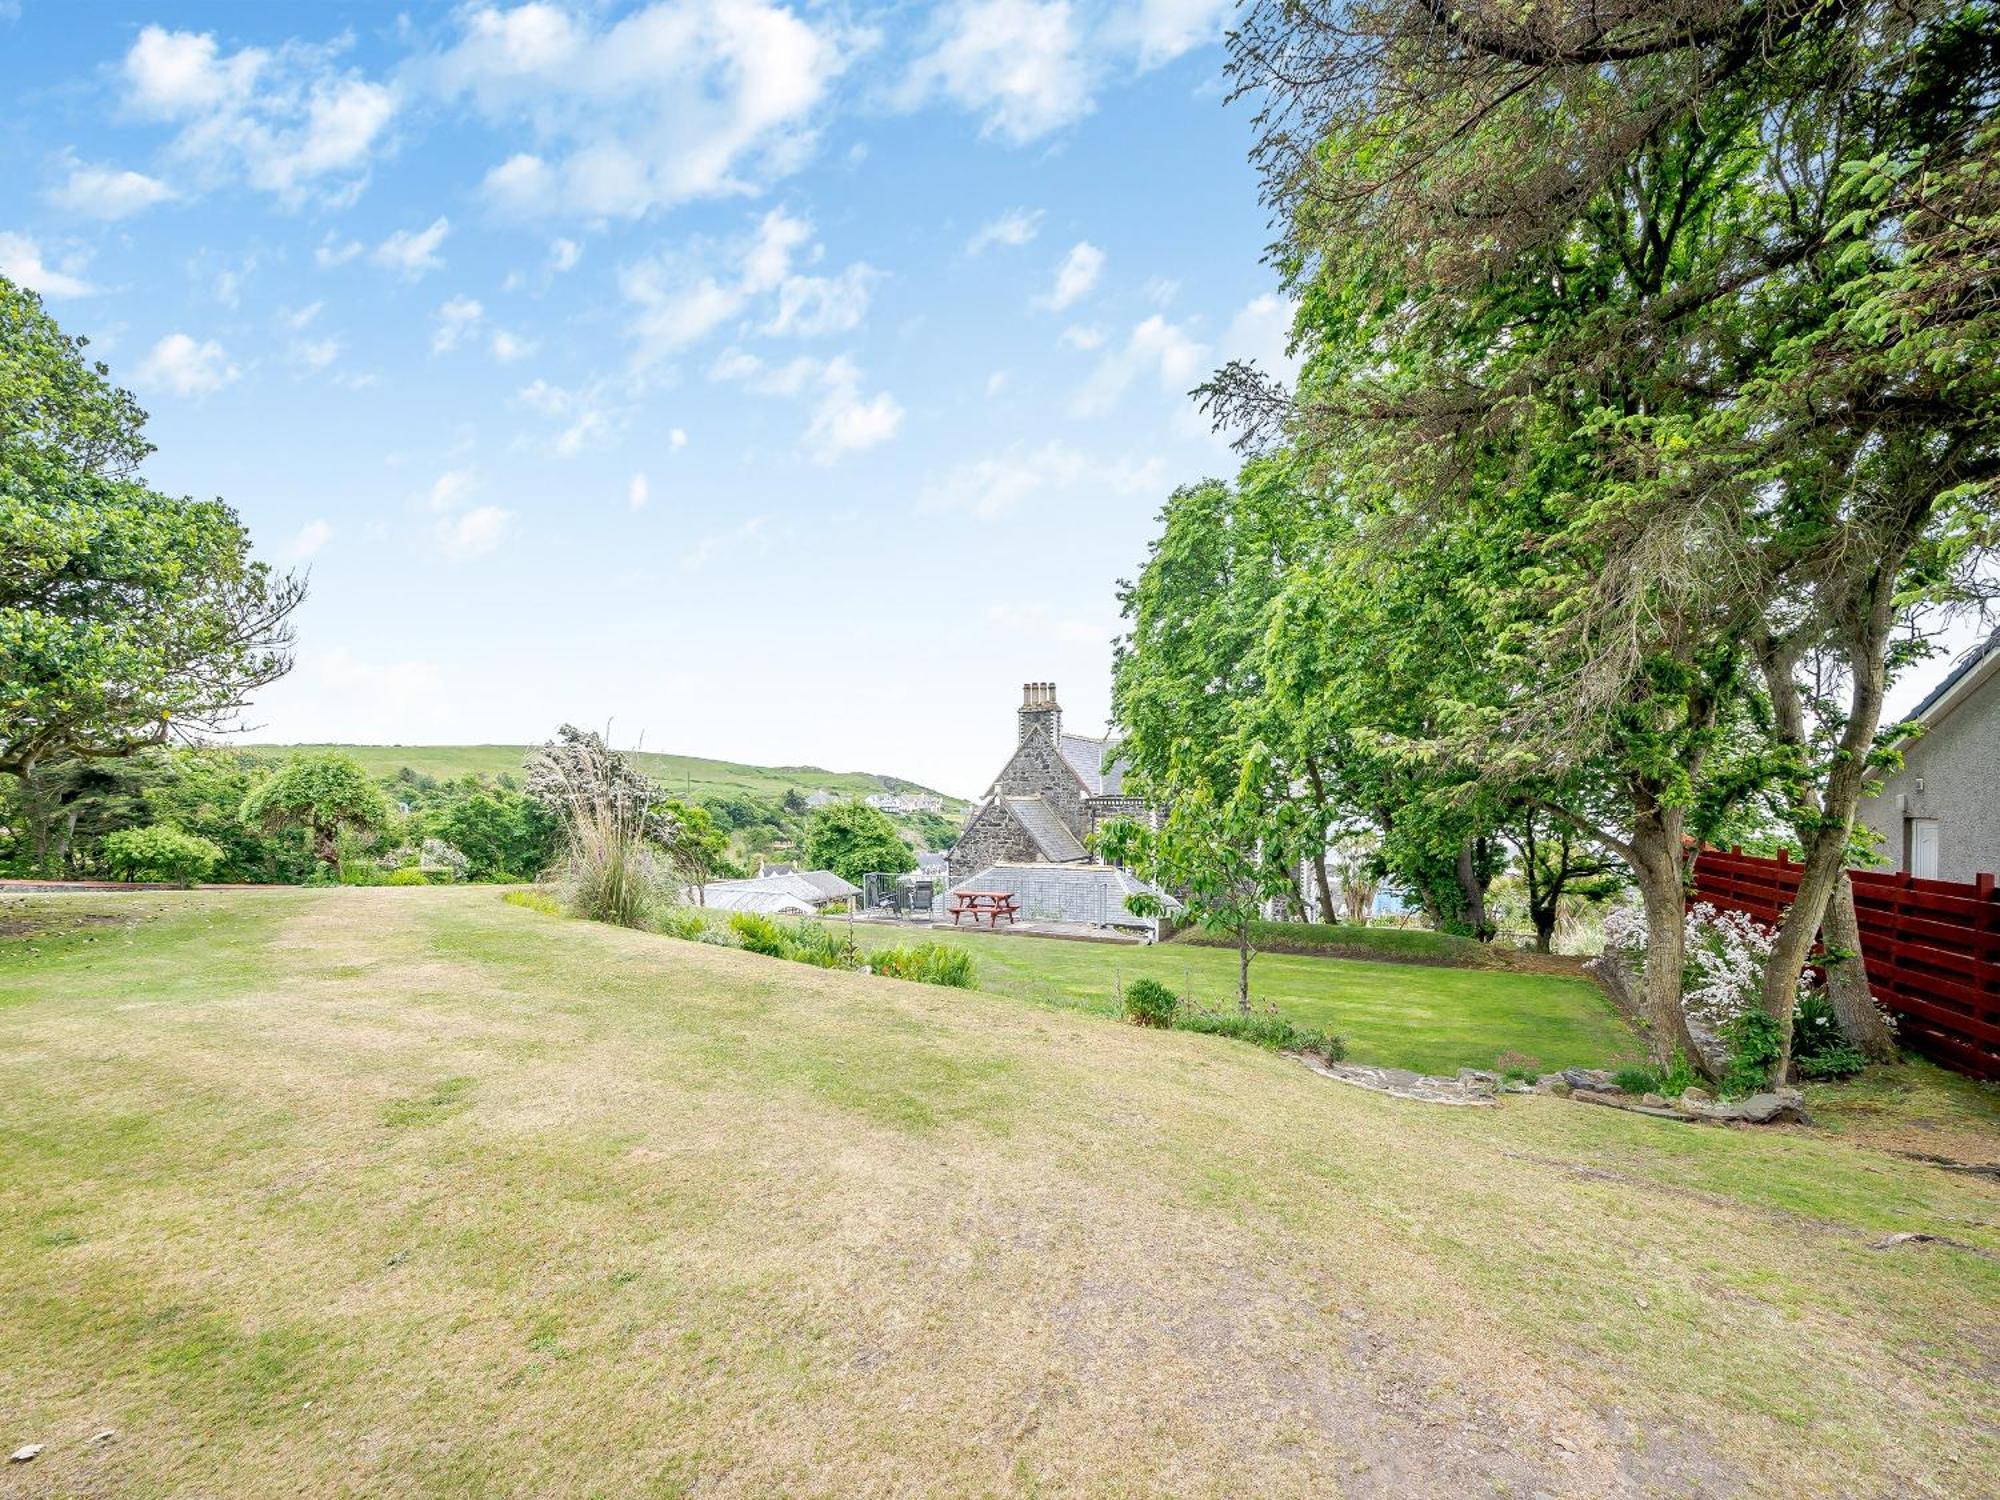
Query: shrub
pixel 1150 1003
pixel 1819 1048
pixel 802 941
pixel 1753 1052
pixel 757 933
pixel 815 943
pixel 682 922
pixel 1262 1028
pixel 1637 1080
pixel 926 963
pixel 407 875
pixel 161 852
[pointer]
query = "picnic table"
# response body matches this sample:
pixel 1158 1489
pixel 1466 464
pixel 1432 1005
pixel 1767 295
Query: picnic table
pixel 990 905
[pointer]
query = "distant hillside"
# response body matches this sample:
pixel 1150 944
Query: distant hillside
pixel 680 773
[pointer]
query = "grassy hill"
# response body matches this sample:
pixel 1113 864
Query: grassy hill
pixel 681 773
pixel 416 1193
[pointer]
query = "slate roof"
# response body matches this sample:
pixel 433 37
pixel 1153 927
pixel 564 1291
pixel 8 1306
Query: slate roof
pixel 1096 762
pixel 1094 894
pixel 1046 828
pixel 1967 664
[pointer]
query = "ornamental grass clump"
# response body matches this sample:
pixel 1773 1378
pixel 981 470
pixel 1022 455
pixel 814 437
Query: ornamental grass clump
pixel 614 866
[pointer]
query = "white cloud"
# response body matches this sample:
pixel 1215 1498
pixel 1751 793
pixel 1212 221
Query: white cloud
pixel 549 400
pixel 1260 334
pixel 315 354
pixel 412 252
pixel 591 425
pixel 1155 348
pixel 1161 30
pixel 842 420
pixel 676 101
pixel 563 255
pixel 452 489
pixel 1013 228
pixel 334 251
pixel 508 347
pixel 677 439
pixel 21 261
pixel 455 319
pixel 298 319
pixel 311 537
pixel 996 383
pixel 1075 277
pixel 108 192
pixel 988 488
pixel 179 364
pixel 684 297
pixel 1082 336
pixel 812 305
pixel 1018 64
pixel 637 492
pixel 286 121
pixel 475 531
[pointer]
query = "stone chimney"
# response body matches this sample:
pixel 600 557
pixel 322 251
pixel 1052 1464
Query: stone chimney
pixel 1040 711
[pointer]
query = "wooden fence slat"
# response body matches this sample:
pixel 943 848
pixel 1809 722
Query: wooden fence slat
pixel 1932 947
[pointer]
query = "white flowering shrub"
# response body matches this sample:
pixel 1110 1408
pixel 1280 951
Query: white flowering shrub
pixel 1722 968
pixel 438 855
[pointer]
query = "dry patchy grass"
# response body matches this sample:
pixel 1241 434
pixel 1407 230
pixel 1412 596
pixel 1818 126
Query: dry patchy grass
pixel 408 1192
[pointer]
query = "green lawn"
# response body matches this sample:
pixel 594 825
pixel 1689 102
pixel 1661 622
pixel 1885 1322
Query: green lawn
pixel 415 1193
pixel 1422 1016
pixel 679 773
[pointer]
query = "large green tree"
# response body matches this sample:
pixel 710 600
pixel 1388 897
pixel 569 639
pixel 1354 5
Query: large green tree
pixel 127 617
pixel 1681 314
pixel 852 839
pixel 323 792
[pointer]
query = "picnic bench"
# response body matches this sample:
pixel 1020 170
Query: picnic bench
pixel 988 905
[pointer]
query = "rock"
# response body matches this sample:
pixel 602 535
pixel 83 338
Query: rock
pixel 1779 1106
pixel 1477 1083
pixel 1691 1097
pixel 24 1455
pixel 1595 1079
pixel 1560 1087
pixel 1631 1104
pixel 1653 1101
pixel 104 1435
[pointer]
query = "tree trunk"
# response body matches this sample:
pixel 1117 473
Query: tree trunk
pixel 1327 910
pixel 326 848
pixel 1472 889
pixel 1657 867
pixel 1243 967
pixel 1545 927
pixel 1861 1019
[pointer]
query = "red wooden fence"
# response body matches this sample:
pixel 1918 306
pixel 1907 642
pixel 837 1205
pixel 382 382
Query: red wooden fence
pixel 1932 947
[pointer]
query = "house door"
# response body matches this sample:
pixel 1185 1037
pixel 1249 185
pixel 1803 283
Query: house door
pixel 1923 846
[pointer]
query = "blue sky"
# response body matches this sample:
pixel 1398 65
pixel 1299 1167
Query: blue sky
pixel 785 383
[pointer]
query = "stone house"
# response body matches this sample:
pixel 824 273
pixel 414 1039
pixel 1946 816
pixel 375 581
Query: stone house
pixel 1053 793
pixel 1939 816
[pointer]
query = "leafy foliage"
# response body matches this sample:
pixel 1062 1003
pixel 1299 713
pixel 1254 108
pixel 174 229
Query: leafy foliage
pixel 1150 1003
pixel 127 617
pixel 324 794
pixel 927 963
pixel 851 839
pixel 161 853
